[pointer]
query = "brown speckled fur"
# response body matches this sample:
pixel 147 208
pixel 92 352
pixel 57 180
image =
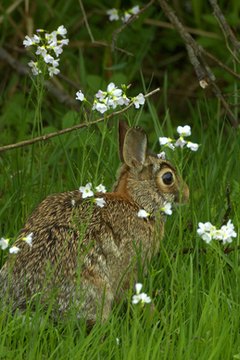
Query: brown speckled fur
pixel 87 254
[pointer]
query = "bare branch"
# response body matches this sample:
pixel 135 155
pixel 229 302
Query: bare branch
pixel 167 25
pixel 195 53
pixel 227 31
pixel 70 129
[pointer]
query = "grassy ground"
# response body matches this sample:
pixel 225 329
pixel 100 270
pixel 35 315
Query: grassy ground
pixel 195 287
pixel 195 291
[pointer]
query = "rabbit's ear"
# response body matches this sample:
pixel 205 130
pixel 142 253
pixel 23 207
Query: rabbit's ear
pixel 122 129
pixel 134 147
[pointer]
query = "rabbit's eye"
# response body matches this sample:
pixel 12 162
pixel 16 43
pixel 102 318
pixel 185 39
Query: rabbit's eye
pixel 167 178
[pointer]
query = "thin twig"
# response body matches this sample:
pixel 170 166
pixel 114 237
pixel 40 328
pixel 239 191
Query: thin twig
pixel 195 53
pixel 227 31
pixel 97 43
pixel 222 65
pixel 86 21
pixel 167 25
pixel 130 20
pixel 70 129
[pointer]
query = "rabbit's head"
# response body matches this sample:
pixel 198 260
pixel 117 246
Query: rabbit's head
pixel 144 178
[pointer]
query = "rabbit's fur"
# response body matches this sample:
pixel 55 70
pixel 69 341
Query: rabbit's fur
pixel 84 254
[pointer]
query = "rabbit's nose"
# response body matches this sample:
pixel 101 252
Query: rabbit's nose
pixel 182 196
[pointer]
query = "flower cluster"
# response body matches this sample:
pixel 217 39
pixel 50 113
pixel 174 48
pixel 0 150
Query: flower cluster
pixel 183 131
pixel 111 98
pixel 4 244
pixel 48 47
pixel 87 192
pixel 209 232
pixel 166 209
pixel 140 297
pixel 115 15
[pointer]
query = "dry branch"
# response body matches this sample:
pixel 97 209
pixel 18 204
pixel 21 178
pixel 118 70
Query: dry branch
pixel 227 31
pixel 70 129
pixel 196 55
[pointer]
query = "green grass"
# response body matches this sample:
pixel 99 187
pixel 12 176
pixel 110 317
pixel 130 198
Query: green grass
pixel 195 287
pixel 195 293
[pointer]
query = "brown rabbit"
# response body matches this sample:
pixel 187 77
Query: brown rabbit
pixel 87 254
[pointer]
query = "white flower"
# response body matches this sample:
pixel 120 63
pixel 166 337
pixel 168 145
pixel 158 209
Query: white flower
pixel 61 30
pixel 101 107
pixel 226 233
pixel 143 214
pixel 162 155
pixel 125 100
pixel 192 146
pixel 180 142
pixel 140 297
pixel 28 41
pixel 126 16
pixel 100 202
pixel 14 250
pixel 63 42
pixel 80 95
pixel 207 231
pixel 52 39
pixel 138 100
pixel 143 298
pixel 34 67
pixel 100 95
pixel 86 190
pixel 113 90
pixel 138 288
pixel 41 50
pixel 135 10
pixel 28 239
pixel 166 141
pixel 55 63
pixel 52 70
pixel 57 49
pixel 167 208
pixel 48 59
pixel 47 43
pixel 4 243
pixel 101 188
pixel 205 227
pixel 113 14
pixel 184 130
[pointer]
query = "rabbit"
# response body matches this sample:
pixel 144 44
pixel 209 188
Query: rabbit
pixel 87 254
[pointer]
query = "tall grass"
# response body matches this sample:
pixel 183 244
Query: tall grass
pixel 194 286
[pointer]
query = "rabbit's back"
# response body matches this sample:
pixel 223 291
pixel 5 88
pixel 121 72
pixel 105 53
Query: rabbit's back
pixel 76 239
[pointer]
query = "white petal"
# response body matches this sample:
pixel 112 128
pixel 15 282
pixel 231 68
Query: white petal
pixel 138 287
